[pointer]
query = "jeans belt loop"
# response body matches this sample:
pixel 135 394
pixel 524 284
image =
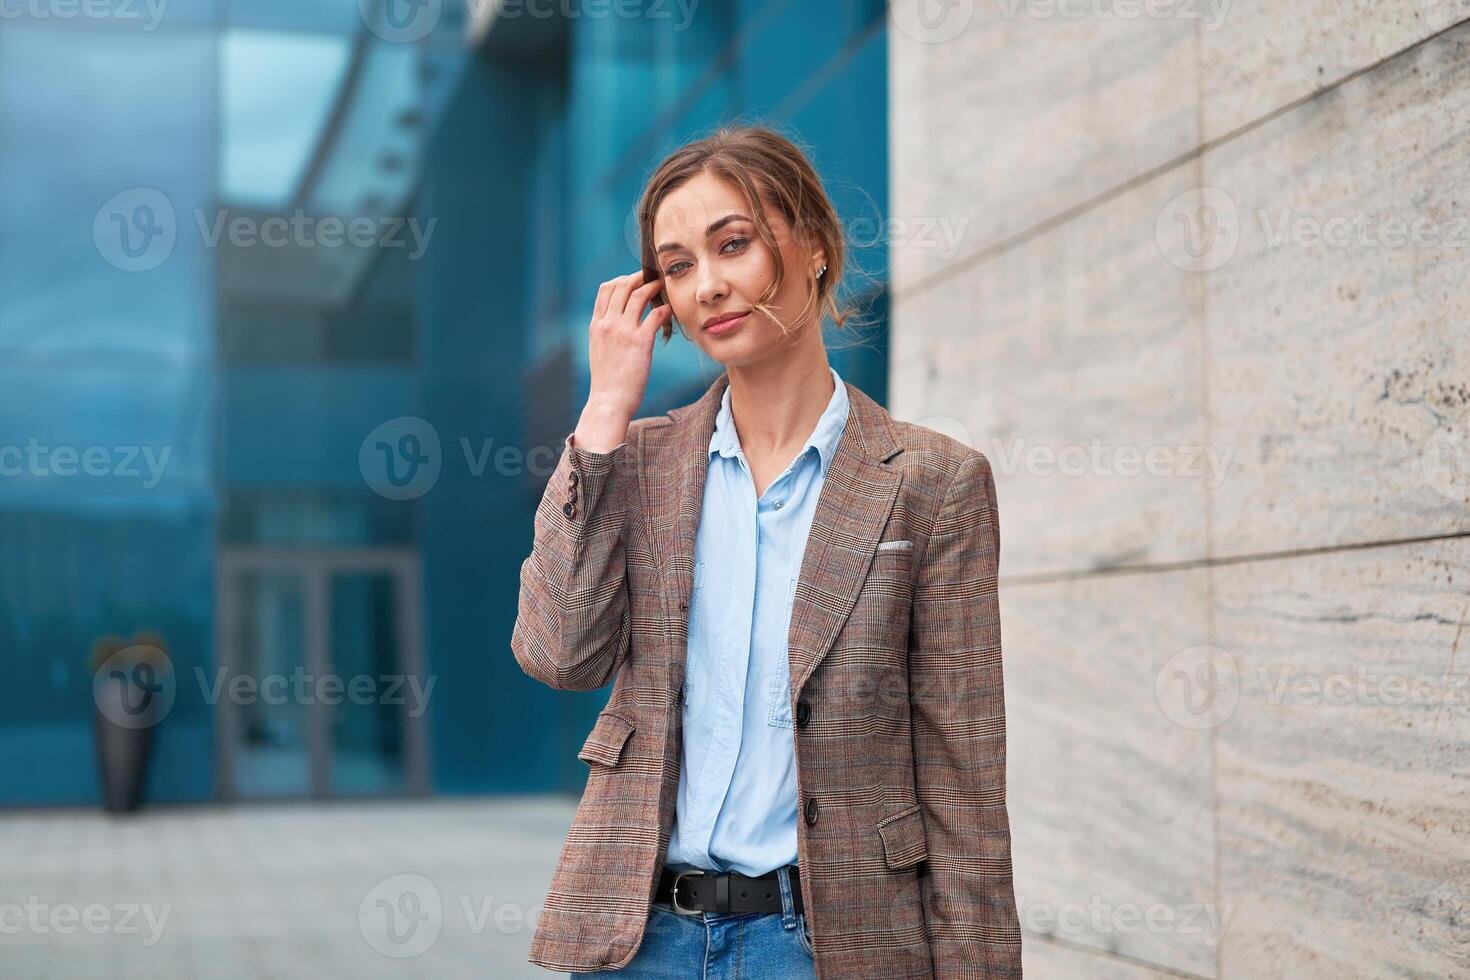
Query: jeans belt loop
pixel 722 894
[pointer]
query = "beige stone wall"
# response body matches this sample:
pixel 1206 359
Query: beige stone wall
pixel 1196 279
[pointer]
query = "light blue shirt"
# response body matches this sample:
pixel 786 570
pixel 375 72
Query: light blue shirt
pixel 737 783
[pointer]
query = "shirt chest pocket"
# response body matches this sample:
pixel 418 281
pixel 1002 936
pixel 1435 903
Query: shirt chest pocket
pixel 778 688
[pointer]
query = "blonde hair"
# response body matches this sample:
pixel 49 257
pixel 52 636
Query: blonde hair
pixel 765 167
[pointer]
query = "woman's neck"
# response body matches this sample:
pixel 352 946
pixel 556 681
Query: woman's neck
pixel 776 404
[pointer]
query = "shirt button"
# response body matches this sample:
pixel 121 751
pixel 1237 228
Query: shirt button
pixel 778 503
pixel 811 810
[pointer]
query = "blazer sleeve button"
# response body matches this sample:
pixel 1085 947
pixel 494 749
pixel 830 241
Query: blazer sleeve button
pixel 569 509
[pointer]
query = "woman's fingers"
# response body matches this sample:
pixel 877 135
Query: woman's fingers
pixel 604 292
pixel 655 320
pixel 640 297
pixel 618 302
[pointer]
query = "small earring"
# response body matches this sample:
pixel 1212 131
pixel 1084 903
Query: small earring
pixel 821 272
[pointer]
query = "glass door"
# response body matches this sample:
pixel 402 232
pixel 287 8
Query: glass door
pixel 319 690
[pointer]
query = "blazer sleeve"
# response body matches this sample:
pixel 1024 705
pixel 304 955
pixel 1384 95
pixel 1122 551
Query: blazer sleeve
pixel 572 623
pixel 958 702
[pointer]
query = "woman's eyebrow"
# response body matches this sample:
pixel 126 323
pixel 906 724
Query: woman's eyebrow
pixel 714 227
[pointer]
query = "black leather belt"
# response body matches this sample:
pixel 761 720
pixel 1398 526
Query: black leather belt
pixel 697 890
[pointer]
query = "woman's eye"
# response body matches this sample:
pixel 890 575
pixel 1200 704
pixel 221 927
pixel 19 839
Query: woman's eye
pixel 739 246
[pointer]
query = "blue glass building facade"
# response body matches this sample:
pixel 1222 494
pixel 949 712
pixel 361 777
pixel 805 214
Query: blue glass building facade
pixel 296 452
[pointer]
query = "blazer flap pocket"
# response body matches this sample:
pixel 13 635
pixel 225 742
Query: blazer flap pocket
pixel 904 843
pixel 605 744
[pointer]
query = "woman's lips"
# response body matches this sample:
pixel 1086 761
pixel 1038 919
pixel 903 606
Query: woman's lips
pixel 725 326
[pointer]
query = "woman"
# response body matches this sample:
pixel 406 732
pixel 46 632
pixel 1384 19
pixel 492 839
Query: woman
pixel 801 768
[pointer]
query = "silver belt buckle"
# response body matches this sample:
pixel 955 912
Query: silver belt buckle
pixel 674 891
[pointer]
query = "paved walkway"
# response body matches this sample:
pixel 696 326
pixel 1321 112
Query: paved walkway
pixel 440 889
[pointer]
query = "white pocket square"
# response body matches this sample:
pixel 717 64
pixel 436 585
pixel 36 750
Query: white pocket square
pixel 894 545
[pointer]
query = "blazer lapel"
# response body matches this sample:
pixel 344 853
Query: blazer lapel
pixel 852 511
pixel 673 461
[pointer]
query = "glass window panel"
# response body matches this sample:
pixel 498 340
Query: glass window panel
pixel 277 92
pixel 107 151
pixel 271 741
pixel 367 726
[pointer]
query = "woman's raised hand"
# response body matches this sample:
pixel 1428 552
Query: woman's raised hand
pixel 620 355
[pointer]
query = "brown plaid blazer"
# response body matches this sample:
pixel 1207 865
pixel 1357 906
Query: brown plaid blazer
pixel 903 840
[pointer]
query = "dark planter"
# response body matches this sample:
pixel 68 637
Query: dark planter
pixel 122 750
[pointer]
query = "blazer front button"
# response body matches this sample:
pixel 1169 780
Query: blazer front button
pixel 811 810
pixel 803 712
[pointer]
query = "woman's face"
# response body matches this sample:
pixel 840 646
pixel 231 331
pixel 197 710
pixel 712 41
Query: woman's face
pixel 714 264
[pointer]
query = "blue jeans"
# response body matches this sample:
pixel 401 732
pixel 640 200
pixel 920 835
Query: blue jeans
pixel 733 946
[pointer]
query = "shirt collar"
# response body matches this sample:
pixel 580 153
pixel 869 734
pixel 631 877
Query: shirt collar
pixel 824 437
